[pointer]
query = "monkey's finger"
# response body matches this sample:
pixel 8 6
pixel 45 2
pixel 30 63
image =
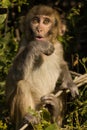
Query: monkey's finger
pixel 31 119
pixel 49 99
pixel 74 92
pixel 49 96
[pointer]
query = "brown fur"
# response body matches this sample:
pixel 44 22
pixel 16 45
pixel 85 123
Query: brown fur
pixel 36 70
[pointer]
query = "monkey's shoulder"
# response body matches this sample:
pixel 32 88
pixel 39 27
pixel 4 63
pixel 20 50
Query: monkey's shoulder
pixel 58 45
pixel 58 49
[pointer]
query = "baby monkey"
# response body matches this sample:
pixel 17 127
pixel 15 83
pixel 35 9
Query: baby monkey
pixel 39 64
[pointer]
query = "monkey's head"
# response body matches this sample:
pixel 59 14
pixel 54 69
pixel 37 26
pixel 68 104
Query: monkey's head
pixel 42 23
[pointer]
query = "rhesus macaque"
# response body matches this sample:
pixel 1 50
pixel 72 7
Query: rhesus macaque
pixel 39 64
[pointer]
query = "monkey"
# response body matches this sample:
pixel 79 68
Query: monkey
pixel 33 77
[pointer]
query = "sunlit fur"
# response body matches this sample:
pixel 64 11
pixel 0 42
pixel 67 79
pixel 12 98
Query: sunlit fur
pixel 36 70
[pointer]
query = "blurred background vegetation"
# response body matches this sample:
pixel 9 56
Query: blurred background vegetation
pixel 74 14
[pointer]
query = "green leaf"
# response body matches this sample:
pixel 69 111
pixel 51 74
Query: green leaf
pixel 52 127
pixel 6 3
pixel 84 59
pixel 2 18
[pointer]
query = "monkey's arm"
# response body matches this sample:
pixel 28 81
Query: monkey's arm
pixel 67 82
pixel 65 77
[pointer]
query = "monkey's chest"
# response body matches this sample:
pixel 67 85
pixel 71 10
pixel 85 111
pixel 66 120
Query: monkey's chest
pixel 44 78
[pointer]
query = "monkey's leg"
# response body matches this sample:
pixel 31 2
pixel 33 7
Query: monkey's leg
pixel 21 102
pixel 55 107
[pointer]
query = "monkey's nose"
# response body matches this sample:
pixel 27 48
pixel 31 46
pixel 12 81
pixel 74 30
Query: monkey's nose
pixel 39 30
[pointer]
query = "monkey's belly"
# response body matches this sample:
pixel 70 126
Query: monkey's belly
pixel 44 78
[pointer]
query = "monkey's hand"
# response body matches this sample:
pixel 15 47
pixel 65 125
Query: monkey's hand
pixel 48 48
pixel 74 91
pixel 44 47
pixel 31 119
pixel 72 87
pixel 28 121
pixel 51 103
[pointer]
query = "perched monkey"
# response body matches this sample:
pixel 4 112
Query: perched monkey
pixel 37 67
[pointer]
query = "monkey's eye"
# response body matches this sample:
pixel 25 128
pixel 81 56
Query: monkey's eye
pixel 35 20
pixel 46 21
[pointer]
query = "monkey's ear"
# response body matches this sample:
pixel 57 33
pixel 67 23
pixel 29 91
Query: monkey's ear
pixel 60 24
pixel 21 24
pixel 62 29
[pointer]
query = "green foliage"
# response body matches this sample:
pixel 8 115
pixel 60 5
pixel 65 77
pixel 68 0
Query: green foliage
pixel 77 116
pixel 8 47
pixel 6 3
pixel 2 18
pixel 71 34
pixel 83 62
pixel 45 119
pixel 3 126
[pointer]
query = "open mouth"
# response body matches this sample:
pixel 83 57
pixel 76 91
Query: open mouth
pixel 39 38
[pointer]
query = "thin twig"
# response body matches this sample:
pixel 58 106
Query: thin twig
pixel 24 127
pixel 75 73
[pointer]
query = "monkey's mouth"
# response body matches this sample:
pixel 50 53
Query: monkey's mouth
pixel 39 38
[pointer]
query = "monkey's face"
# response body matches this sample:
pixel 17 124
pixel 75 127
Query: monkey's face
pixel 41 26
